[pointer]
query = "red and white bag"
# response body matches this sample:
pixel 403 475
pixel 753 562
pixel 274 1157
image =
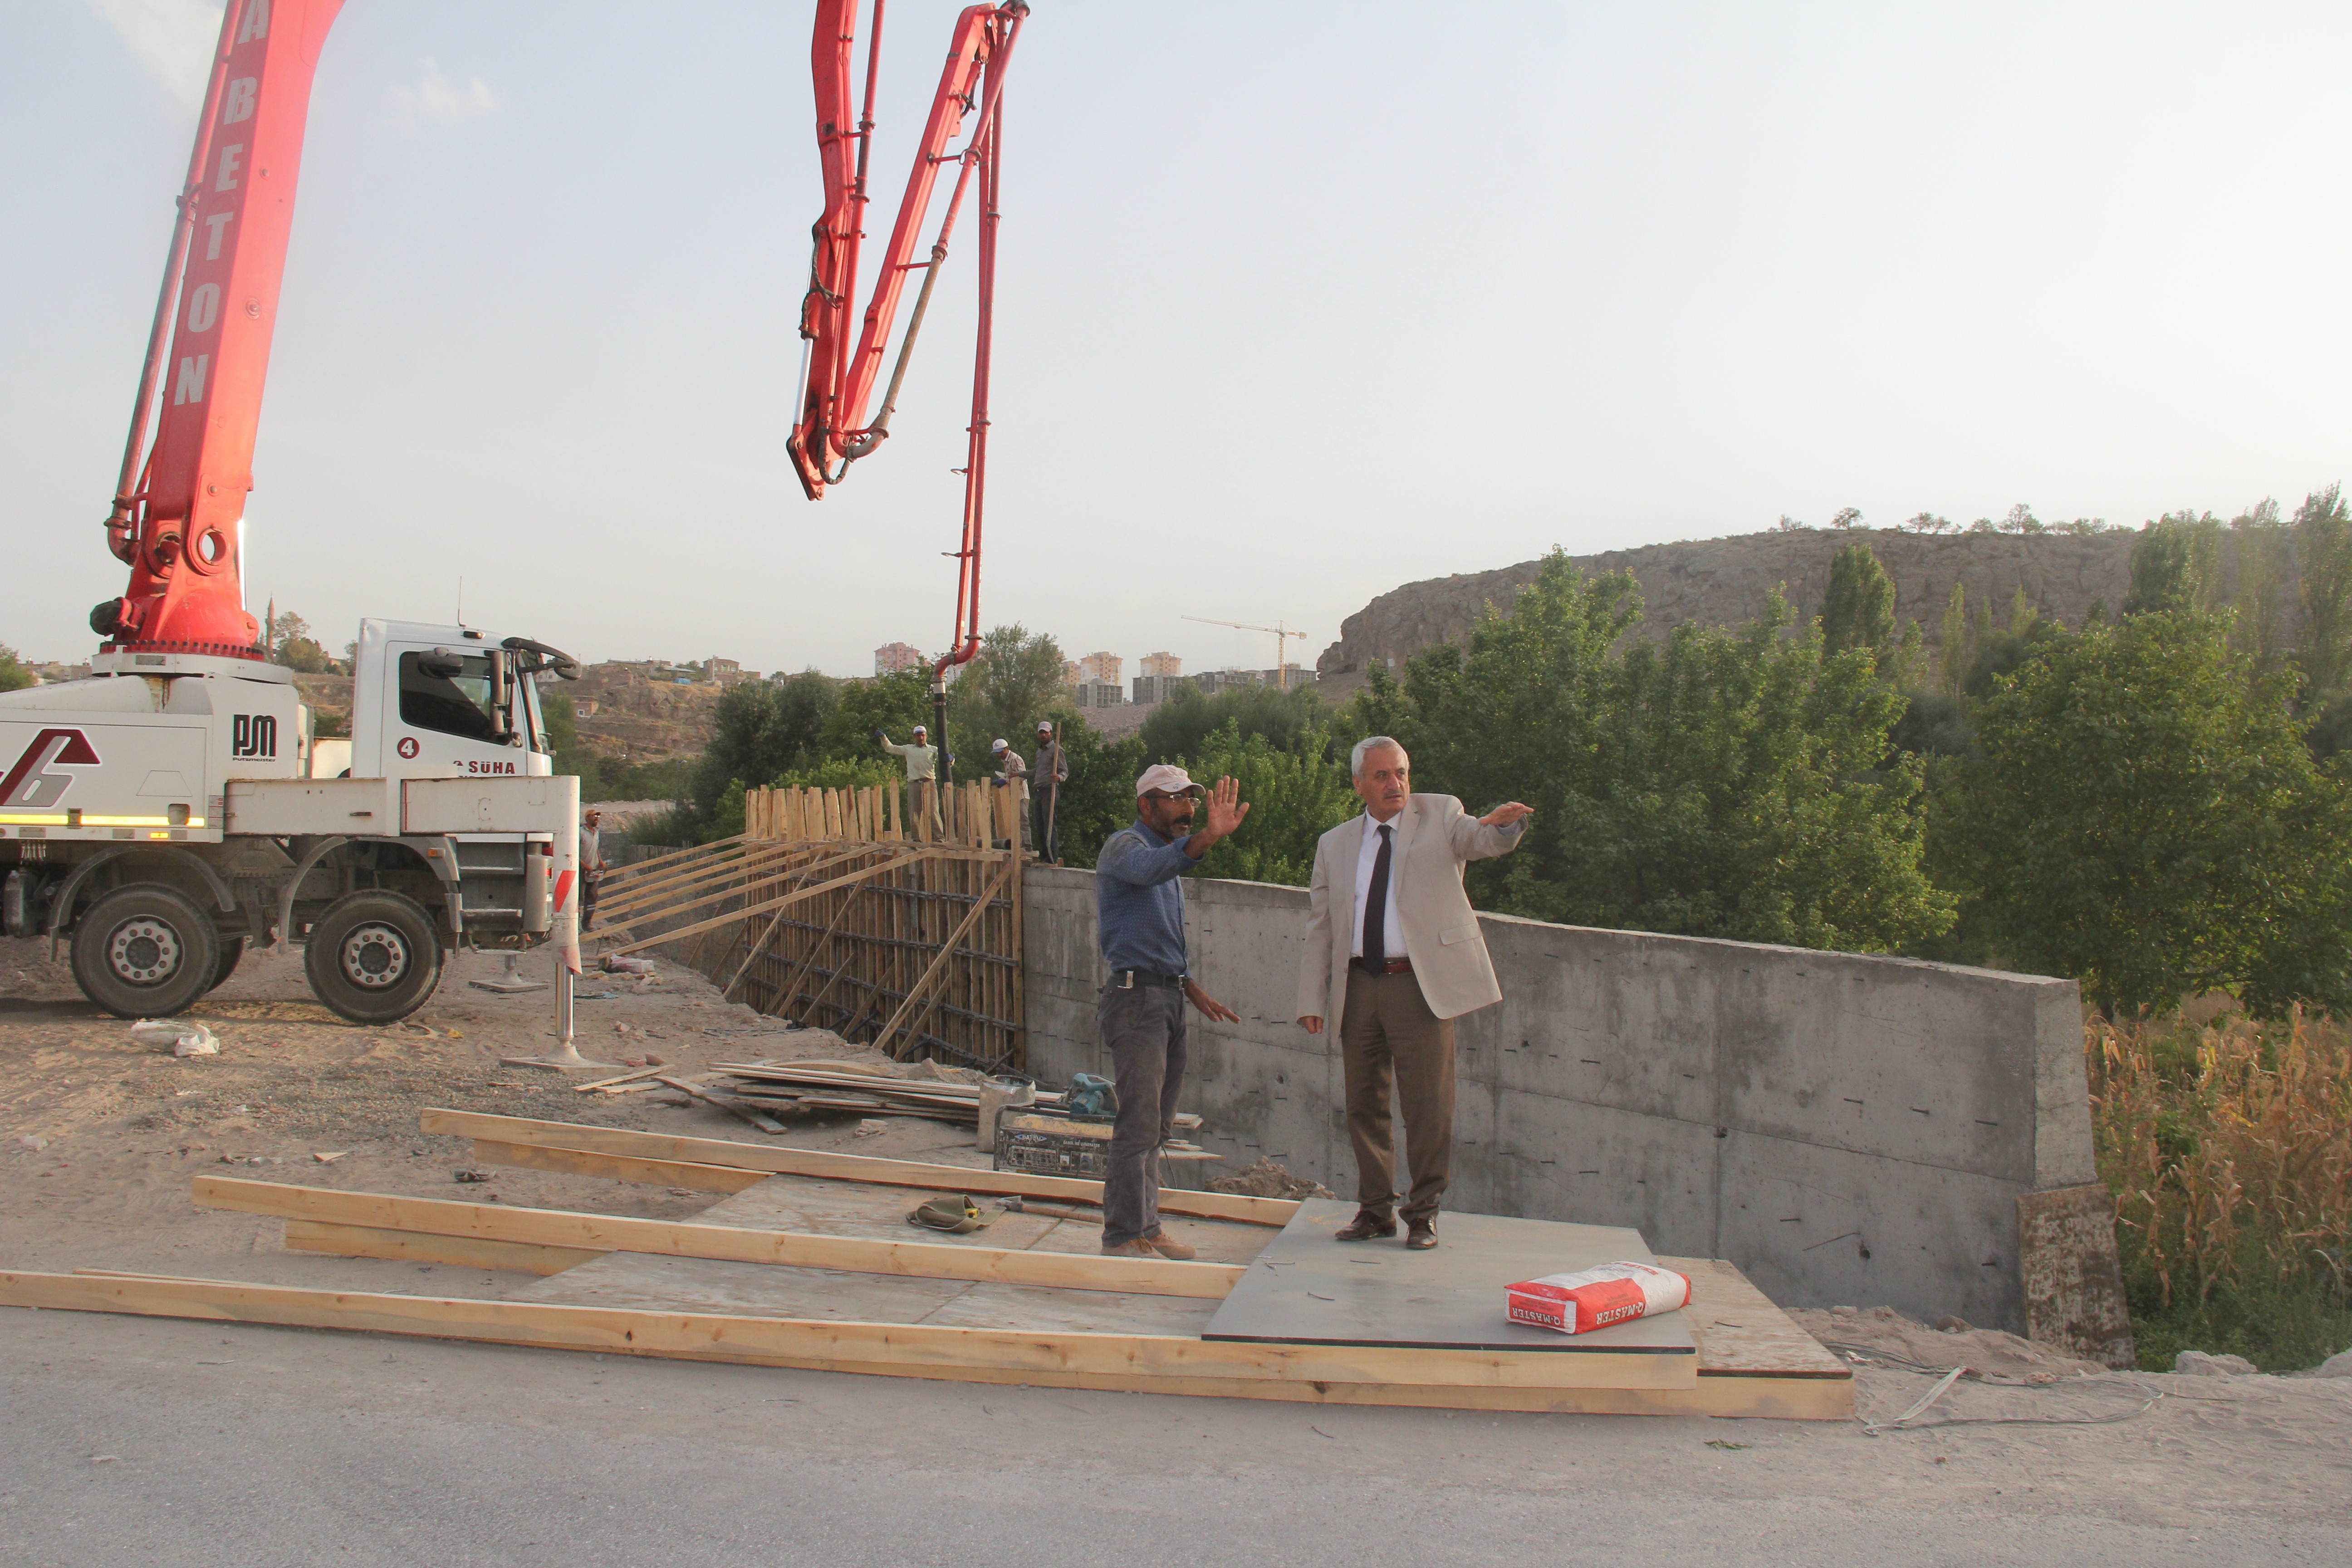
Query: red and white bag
pixel 1595 1298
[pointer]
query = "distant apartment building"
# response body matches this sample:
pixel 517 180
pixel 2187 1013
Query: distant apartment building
pixel 725 671
pixel 895 655
pixel 1161 663
pixel 1102 668
pixel 1071 673
pixel 1099 694
pixel 1150 688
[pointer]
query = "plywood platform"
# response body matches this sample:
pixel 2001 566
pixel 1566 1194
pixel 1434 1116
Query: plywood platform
pixel 810 1263
pixel 1305 1288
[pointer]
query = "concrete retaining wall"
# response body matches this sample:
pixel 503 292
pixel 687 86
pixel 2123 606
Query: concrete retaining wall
pixel 1847 1130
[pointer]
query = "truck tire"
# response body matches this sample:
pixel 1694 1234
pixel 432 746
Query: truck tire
pixel 374 957
pixel 232 949
pixel 145 952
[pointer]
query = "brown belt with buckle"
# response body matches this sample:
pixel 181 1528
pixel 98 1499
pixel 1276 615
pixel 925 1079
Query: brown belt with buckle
pixel 1387 966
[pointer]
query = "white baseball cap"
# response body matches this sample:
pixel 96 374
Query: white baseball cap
pixel 921 731
pixel 998 746
pixel 1045 726
pixel 1167 778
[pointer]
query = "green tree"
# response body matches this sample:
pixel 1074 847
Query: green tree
pixel 1858 611
pixel 2142 814
pixel 1181 725
pixel 2323 547
pixel 2262 547
pixel 304 655
pixel 1728 783
pixel 1013 681
pixel 758 730
pixel 1099 798
pixel 895 702
pixel 2176 565
pixel 13 676
pixel 1956 644
pixel 1295 792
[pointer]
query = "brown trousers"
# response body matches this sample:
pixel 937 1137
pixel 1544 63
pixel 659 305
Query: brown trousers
pixel 1388 1037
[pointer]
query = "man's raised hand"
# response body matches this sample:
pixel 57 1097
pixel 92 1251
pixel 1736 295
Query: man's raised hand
pixel 1506 814
pixel 1227 809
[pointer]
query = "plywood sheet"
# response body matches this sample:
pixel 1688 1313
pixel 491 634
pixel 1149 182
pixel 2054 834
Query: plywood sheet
pixel 1305 1288
pixel 1740 1333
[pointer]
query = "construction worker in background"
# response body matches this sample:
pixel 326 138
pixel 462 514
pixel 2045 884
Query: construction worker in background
pixel 1011 773
pixel 1048 774
pixel 591 865
pixel 922 760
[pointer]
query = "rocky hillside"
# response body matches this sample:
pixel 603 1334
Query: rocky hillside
pixel 627 716
pixel 1722 581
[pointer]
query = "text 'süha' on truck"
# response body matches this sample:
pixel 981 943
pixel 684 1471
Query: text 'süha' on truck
pixel 177 805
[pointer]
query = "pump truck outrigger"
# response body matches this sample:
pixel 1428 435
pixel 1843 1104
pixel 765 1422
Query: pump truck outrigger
pixel 177 806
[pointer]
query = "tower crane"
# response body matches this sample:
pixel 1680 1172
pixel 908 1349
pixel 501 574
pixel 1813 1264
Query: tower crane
pixel 1281 634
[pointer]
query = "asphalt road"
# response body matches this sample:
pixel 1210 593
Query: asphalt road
pixel 162 1442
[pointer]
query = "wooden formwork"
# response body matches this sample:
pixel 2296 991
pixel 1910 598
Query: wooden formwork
pixel 811 1265
pixel 847 909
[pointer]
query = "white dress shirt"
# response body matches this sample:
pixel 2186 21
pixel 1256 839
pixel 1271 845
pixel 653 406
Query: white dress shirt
pixel 1392 932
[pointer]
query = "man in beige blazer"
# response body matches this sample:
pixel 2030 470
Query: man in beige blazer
pixel 1393 950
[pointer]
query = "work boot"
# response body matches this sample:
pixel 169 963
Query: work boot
pixel 1127 1249
pixel 1167 1246
pixel 1421 1234
pixel 1366 1226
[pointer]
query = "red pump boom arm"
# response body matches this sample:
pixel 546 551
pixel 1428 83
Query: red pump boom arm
pixel 179 507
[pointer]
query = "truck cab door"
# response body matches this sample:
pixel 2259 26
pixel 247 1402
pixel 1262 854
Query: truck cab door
pixel 455 711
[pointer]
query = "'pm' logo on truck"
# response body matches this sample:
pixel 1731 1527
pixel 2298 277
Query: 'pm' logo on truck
pixel 29 781
pixel 253 736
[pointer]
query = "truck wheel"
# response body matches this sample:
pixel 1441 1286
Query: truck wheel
pixel 232 949
pixel 144 952
pixel 374 957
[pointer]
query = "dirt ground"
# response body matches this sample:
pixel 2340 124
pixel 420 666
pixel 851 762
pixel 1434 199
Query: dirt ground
pixel 99 1134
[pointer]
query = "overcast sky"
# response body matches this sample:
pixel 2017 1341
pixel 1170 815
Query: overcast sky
pixel 1297 303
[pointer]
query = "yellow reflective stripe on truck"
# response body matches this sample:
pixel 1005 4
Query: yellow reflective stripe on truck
pixel 59 819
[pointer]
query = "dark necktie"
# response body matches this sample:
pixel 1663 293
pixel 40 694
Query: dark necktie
pixel 1376 906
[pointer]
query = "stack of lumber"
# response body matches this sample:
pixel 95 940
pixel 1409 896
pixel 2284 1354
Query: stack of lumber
pixel 865 1088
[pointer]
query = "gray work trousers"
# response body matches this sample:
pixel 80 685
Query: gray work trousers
pixel 1144 1027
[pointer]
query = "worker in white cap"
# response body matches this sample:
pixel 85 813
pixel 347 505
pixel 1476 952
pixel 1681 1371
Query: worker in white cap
pixel 922 760
pixel 1049 771
pixel 1011 773
pixel 1139 918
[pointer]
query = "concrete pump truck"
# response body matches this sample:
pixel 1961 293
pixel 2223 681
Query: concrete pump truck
pixel 177 806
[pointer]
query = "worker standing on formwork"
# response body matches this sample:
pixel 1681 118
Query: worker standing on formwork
pixel 1013 774
pixel 922 760
pixel 1048 773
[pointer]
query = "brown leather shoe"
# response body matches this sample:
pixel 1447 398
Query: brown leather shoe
pixel 1366 1226
pixel 1421 1234
pixel 1167 1246
pixel 1127 1250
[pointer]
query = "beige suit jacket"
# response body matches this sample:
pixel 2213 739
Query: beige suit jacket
pixel 1435 838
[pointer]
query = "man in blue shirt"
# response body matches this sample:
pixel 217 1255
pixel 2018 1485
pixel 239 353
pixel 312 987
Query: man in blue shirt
pixel 1140 912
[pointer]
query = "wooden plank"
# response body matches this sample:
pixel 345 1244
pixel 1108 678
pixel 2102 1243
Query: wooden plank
pixel 595 1232
pixel 670 856
pixel 414 1247
pixel 1135 1360
pixel 783 1160
pixel 758 909
pixel 701 1178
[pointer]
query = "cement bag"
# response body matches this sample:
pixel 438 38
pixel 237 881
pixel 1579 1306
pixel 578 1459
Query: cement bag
pixel 1595 1298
